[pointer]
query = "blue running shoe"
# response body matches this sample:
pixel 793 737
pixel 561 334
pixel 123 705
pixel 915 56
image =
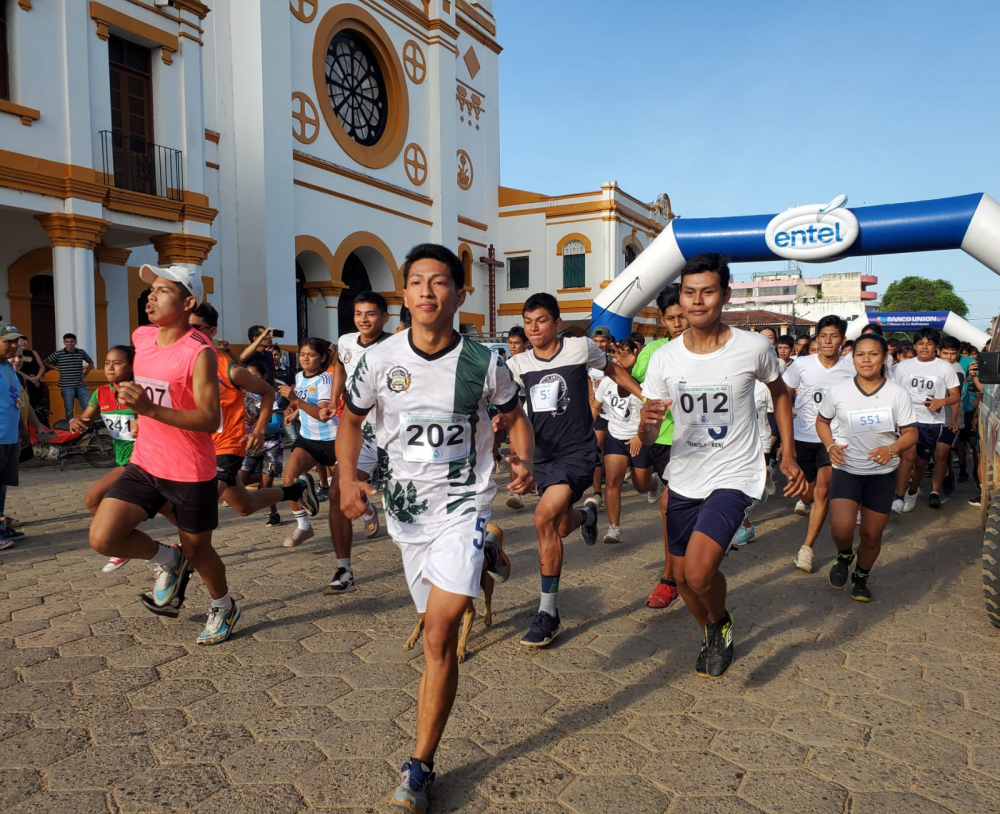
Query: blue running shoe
pixel 168 580
pixel 744 535
pixel 415 781
pixel 220 624
pixel 544 628
pixel 589 527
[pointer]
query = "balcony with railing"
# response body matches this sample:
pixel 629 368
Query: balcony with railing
pixel 139 166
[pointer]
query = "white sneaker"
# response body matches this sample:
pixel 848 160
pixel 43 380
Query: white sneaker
pixel 897 506
pixel 804 560
pixel 613 535
pixel 801 509
pixel 771 488
pixel 515 501
pixel 910 501
pixel 654 496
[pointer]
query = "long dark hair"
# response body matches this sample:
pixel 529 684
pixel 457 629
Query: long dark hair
pixel 321 346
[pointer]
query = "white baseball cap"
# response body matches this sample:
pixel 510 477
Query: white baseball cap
pixel 188 277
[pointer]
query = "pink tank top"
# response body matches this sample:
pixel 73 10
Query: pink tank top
pixel 165 373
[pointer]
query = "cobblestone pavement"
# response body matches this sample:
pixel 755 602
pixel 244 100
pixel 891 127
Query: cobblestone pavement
pixel 832 705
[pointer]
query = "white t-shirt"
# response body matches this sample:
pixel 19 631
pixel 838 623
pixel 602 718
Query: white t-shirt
pixel 596 377
pixel 350 350
pixel 431 420
pixel 866 421
pixel 811 380
pixel 622 411
pixel 764 404
pixel 926 380
pixel 716 439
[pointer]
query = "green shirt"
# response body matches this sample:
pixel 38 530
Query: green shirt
pixel 666 436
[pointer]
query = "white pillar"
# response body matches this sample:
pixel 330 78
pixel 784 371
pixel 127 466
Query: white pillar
pixel 73 280
pixel 112 266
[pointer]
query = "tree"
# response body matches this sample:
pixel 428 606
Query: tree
pixel 921 294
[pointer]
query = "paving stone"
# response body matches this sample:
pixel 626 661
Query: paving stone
pixel 514 703
pixel 370 705
pixel 889 802
pixel 18 785
pixel 76 712
pixel 38 747
pixel 26 656
pixel 856 770
pixel 526 780
pixel 272 761
pixel 917 747
pixel 11 724
pixel 229 708
pixel 819 728
pixel 588 718
pixel 381 676
pixel 694 773
pixel 959 789
pixel 873 711
pixel 518 736
pixel 170 694
pixel 792 793
pixel 569 659
pixel 291 723
pixel 759 750
pixel 601 754
pixel 96 645
pixel 920 693
pixel 570 686
pixel 733 713
pixel 591 795
pixel 59 802
pixel 62 669
pixel 136 727
pixel 665 732
pixel 168 789
pixel 193 743
pixel 985 759
pixel 147 655
pixel 363 782
pixel 959 677
pixel 962 725
pixel 787 694
pixel 98 768
pixel 346 740
pixel 115 682
pixel 279 799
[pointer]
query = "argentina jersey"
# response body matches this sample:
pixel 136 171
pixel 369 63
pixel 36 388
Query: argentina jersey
pixel 313 390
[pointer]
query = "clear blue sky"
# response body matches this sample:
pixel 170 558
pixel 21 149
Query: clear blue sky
pixel 737 108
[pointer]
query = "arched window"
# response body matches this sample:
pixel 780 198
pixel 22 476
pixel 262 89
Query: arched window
pixel 574 264
pixel 630 254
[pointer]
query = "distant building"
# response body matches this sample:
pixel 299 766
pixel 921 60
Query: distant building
pixel 845 294
pixel 754 320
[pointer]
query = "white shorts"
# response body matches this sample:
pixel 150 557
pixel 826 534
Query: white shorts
pixel 448 554
pixel 368 457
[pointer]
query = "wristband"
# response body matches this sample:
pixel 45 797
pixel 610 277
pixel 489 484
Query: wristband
pixel 831 445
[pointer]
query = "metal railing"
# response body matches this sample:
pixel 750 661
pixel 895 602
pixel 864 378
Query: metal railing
pixel 138 166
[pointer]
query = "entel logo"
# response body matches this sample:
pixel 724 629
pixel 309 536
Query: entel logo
pixel 813 232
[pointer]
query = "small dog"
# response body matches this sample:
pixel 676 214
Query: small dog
pixel 496 568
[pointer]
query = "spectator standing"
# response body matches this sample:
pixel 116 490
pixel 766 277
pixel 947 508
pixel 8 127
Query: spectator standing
pixel 73 364
pixel 259 350
pixel 32 369
pixel 282 372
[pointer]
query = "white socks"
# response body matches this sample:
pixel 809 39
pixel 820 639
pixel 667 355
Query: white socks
pixel 166 556
pixel 344 562
pixel 225 603
pixel 302 518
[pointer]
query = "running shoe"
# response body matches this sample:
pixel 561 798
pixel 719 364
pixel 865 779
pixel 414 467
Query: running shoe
pixel 544 628
pixel 613 535
pixel 323 494
pixel 897 505
pixel 976 501
pixel 701 663
pixel 662 595
pixel 220 624
pixel 171 611
pixel 744 535
pixel 801 509
pixel 372 524
pixel 840 570
pixel 949 482
pixel 859 588
pixel 934 500
pixel 770 488
pixel 515 502
pixel 342 583
pixel 6 542
pixel 8 530
pixel 804 559
pixel 273 519
pixel 114 564
pixel 654 496
pixel 719 640
pixel 963 476
pixel 589 527
pixel 910 501
pixel 414 786
pixel 310 498
pixel 298 536
pixel 497 561
pixel 168 580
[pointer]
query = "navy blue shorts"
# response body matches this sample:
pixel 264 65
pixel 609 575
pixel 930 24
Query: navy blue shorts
pixel 612 446
pixel 928 437
pixel 575 470
pixel 717 516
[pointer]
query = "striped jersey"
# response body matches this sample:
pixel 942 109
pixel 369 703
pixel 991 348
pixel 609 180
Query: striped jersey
pixel 432 428
pixel 351 351
pixel 70 365
pixel 314 390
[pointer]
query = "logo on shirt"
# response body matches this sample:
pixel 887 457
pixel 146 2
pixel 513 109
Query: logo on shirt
pixel 398 379
pixel 814 231
pixel 346 356
pixel 564 399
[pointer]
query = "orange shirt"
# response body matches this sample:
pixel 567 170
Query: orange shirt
pixel 232 429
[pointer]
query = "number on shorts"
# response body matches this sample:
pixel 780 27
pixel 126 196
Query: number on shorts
pixel 481 531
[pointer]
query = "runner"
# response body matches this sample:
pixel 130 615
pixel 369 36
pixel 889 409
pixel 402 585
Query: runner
pixel 869 411
pixel 708 375
pixel 622 448
pixel 554 377
pixel 517 343
pixel 950 351
pixel 371 313
pixel 808 380
pixel 176 395
pixel 606 342
pixel 121 423
pixel 267 463
pixel 309 402
pixel 671 315
pixel 932 385
pixel 232 439
pixel 428 387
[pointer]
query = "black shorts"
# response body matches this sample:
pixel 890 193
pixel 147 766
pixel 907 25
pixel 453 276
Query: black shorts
pixel 873 492
pixel 322 452
pixel 968 432
pixel 195 503
pixel 576 471
pixel 612 446
pixel 661 457
pixel 10 457
pixel 948 436
pixel 227 467
pixel 600 424
pixel 928 437
pixel 717 516
pixel 812 457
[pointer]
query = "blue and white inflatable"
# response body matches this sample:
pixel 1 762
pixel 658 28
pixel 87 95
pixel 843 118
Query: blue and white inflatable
pixel 811 233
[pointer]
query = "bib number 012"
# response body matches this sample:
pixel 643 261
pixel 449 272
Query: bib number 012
pixel 706 405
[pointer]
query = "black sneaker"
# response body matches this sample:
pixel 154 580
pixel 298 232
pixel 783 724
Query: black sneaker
pixel 859 589
pixel 949 482
pixel 322 494
pixel 977 502
pixel 701 664
pixel 840 570
pixel 934 501
pixel 544 628
pixel 342 583
pixel 589 527
pixel 976 483
pixel 273 519
pixel 720 646
pixel 963 476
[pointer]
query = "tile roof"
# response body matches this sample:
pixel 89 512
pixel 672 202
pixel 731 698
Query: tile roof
pixel 760 318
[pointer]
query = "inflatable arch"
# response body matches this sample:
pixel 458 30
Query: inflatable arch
pixel 810 233
pixel 944 321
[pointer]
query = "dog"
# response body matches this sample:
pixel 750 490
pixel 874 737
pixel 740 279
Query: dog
pixel 496 569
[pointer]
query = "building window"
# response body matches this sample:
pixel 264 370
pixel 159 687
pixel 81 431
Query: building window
pixel 4 54
pixel 630 255
pixel 517 273
pixel 574 264
pixel 132 116
pixel 357 88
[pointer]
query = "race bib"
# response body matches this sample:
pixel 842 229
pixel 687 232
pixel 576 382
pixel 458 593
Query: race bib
pixel 435 439
pixel 544 397
pixel 923 387
pixel 119 426
pixel 158 392
pixel 818 394
pixel 704 405
pixel 871 421
pixel 620 407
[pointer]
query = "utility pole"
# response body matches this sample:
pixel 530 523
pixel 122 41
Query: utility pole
pixel 491 262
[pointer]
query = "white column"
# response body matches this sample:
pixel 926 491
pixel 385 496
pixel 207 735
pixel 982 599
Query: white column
pixel 112 266
pixel 73 280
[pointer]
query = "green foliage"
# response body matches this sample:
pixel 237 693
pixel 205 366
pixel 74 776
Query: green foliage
pixel 921 294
